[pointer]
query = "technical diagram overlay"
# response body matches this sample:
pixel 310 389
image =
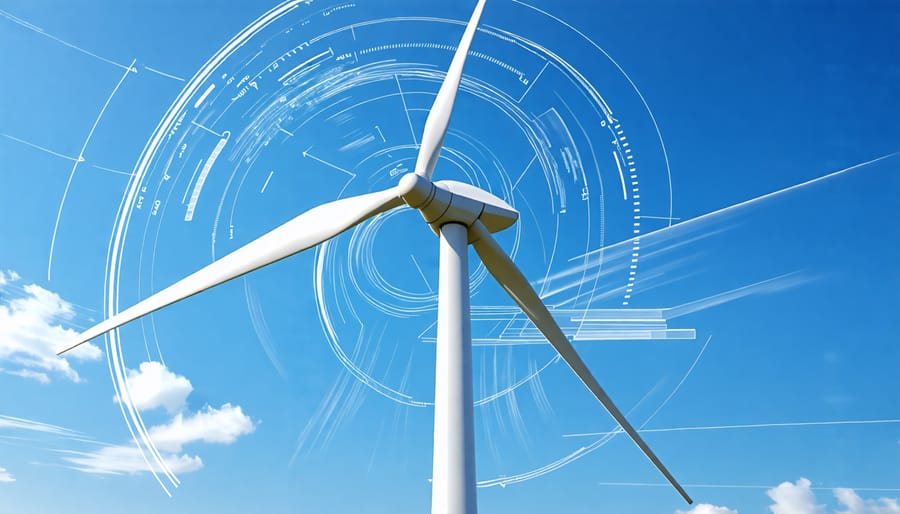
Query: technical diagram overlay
pixel 311 102
pixel 319 100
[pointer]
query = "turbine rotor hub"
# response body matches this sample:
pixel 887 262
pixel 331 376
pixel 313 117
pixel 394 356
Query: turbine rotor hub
pixel 449 201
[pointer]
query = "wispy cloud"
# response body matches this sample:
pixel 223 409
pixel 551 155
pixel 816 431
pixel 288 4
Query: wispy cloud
pixel 153 386
pixel 223 425
pixel 22 431
pixel 210 425
pixel 31 328
pixel 10 422
pixel 125 459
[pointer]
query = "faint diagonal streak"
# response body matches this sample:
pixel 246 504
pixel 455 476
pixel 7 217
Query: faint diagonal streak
pixel 749 425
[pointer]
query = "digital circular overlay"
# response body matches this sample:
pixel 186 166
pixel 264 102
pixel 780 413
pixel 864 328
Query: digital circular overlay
pixel 316 101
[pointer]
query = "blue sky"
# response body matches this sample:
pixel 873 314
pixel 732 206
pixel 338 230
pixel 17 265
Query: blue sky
pixel 722 177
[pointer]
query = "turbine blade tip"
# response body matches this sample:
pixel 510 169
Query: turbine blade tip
pixel 70 346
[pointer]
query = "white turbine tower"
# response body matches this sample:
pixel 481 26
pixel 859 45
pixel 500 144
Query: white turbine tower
pixel 460 214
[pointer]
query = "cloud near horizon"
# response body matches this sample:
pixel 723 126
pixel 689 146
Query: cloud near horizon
pixel 856 505
pixel 799 498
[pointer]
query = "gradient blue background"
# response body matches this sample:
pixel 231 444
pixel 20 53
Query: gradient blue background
pixel 750 97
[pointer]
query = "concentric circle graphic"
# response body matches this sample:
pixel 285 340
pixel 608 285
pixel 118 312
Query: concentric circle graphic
pixel 316 101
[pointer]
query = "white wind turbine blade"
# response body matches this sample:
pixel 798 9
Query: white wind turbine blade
pixel 439 116
pixel 305 231
pixel 514 282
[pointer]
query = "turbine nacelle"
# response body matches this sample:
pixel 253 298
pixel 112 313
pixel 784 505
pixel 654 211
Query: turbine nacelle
pixel 448 201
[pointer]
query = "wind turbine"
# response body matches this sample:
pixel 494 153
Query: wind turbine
pixel 460 214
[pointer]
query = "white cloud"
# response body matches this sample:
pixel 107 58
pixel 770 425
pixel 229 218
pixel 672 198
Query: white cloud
pixel 117 460
pixel 856 505
pixel 796 498
pixel 4 475
pixel 152 386
pixel 8 276
pixel 799 498
pixel 210 425
pixel 27 373
pixel 706 508
pixel 30 333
